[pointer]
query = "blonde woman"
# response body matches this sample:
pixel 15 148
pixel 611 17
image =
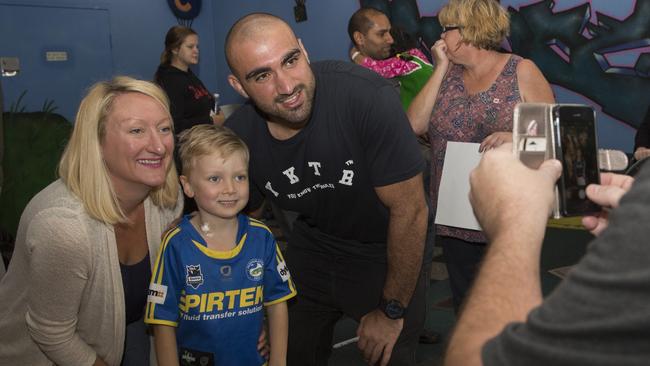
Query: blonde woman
pixel 85 243
pixel 470 98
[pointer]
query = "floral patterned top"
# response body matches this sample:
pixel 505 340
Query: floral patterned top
pixel 411 69
pixel 458 116
pixel 394 66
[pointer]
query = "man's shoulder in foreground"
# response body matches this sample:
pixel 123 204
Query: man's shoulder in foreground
pixel 244 118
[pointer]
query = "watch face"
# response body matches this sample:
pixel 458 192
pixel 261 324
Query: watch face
pixel 393 309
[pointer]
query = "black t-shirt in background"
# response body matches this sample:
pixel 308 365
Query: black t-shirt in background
pixel 190 102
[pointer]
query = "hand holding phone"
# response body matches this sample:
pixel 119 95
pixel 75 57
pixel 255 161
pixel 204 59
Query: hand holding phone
pixel 576 147
pixel 565 132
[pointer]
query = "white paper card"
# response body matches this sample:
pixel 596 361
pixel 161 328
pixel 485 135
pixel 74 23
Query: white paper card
pixel 454 208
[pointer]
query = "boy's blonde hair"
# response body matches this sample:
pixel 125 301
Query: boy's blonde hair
pixel 82 166
pixel 205 139
pixel 484 23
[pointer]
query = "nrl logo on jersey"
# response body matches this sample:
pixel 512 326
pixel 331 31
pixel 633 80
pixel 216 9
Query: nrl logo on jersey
pixel 188 357
pixel 193 276
pixel 255 269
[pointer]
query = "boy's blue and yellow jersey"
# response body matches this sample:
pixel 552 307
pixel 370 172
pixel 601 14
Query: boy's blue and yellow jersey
pixel 215 299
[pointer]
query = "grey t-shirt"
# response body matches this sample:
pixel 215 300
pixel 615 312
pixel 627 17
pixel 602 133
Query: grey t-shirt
pixel 600 315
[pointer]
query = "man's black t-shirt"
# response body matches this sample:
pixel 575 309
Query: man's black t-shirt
pixel 358 138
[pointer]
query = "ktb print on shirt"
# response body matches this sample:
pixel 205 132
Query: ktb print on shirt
pixel 346 179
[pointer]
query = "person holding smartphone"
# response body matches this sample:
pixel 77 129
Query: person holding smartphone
pixel 597 316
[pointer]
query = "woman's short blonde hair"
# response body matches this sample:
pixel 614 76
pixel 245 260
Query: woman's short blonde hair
pixel 205 139
pixel 484 23
pixel 82 166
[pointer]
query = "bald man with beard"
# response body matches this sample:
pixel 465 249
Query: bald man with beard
pixel 330 141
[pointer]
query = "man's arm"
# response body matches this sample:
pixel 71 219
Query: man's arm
pixel 512 203
pixel 406 235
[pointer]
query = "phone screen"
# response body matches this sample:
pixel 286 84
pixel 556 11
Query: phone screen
pixel 579 154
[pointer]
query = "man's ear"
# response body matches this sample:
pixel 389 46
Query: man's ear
pixel 187 187
pixel 304 51
pixel 234 82
pixel 359 39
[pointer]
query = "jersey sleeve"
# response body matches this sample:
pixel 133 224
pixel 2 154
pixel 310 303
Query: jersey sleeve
pixel 166 286
pixel 278 286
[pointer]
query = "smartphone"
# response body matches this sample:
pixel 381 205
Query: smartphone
pixel 576 146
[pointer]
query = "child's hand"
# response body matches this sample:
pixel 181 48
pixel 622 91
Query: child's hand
pixel 263 344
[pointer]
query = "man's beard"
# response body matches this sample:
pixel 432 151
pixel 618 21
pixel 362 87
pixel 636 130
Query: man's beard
pixel 291 117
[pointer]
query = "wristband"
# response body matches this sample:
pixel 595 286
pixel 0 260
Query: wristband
pixel 355 54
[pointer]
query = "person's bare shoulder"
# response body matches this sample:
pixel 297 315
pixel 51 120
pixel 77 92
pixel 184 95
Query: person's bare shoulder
pixel 532 83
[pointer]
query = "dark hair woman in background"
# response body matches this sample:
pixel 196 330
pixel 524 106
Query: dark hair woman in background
pixel 191 103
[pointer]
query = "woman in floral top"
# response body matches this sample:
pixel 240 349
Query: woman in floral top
pixel 470 98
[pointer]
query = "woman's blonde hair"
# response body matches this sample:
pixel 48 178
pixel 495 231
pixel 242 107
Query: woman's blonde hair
pixel 82 166
pixel 483 23
pixel 205 139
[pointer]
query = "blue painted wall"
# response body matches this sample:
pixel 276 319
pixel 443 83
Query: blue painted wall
pixel 325 36
pixel 137 29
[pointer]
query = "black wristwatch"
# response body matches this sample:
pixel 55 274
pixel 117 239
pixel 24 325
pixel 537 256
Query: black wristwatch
pixel 392 308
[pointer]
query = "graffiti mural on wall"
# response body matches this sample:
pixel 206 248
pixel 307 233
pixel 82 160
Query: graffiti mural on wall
pixel 572 50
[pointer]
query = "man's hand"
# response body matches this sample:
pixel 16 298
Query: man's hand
pixel 377 336
pixel 606 194
pixel 507 195
pixel 495 140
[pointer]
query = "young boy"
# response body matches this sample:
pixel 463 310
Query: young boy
pixel 218 268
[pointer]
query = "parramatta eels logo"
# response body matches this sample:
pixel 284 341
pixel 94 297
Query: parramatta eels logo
pixel 193 276
pixel 255 269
